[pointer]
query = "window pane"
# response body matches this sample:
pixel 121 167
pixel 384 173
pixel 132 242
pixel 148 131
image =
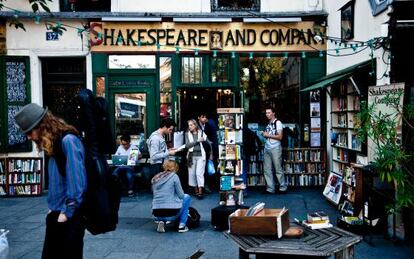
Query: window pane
pixel 220 70
pixel 131 61
pixel 191 70
pixel 165 87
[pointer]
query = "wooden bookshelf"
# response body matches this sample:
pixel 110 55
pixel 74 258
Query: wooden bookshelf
pixel 304 166
pixel 21 176
pixel 230 166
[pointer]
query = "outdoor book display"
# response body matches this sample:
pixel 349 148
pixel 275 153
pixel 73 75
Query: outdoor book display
pixel 230 166
pixel 304 166
pixel 21 176
pixel 344 184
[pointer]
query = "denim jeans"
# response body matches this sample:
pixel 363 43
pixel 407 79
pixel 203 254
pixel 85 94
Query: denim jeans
pixel 182 215
pixel 129 172
pixel 273 157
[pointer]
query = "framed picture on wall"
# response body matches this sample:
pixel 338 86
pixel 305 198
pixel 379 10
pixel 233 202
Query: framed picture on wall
pixel 347 21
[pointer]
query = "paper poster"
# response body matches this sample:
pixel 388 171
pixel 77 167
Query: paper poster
pixel 178 139
pixel 315 139
pixel 333 188
pixel 315 110
pixel 315 124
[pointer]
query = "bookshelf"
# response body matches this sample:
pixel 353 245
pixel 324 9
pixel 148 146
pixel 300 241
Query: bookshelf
pixel 352 193
pixel 21 176
pixel 304 166
pixel 345 105
pixel 3 177
pixel 255 175
pixel 230 166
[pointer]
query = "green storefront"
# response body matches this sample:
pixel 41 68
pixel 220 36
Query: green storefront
pixel 149 71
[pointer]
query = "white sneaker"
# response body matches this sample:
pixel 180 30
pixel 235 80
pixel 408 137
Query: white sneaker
pixel 161 227
pixel 183 229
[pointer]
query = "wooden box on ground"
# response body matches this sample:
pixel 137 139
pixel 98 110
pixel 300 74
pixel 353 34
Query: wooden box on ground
pixel 264 223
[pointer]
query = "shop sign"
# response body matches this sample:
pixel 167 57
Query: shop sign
pixel 2 38
pixel 111 36
pixel 129 83
pixel 387 100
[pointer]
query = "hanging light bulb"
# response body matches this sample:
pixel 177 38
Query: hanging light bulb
pixel 37 19
pixel 251 55
pixel 321 54
pixel 233 54
pixel 303 54
pixel 158 47
pixel 214 53
pixel 80 31
pixel 354 47
pixel 286 55
pixel 120 39
pixel 177 50
pixel 337 51
pixel 196 52
pixel 99 35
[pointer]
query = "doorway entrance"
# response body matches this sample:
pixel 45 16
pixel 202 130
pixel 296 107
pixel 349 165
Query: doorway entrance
pixel 193 101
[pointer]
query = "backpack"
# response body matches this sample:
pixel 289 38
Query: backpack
pixel 103 194
pixel 287 134
pixel 193 220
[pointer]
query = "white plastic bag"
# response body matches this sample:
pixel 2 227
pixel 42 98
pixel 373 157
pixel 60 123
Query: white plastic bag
pixel 4 244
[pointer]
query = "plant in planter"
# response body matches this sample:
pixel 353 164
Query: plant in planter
pixel 393 159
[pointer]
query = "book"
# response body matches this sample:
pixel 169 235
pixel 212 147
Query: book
pixel 253 210
pixel 316 225
pixel 317 217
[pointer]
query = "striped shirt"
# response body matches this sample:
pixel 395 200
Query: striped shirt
pixel 66 193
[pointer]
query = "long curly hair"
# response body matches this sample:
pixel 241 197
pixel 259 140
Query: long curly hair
pixel 50 129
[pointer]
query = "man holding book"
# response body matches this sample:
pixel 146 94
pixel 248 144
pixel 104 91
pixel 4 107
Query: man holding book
pixel 273 153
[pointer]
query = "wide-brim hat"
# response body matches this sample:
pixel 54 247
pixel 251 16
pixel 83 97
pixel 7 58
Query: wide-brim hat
pixel 29 116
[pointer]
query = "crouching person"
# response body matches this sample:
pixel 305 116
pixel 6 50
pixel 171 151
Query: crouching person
pixel 169 202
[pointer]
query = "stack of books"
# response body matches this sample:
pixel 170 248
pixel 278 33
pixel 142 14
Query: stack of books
pixel 316 220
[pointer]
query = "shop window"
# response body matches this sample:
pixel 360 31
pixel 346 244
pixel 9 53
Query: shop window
pixel 347 21
pixel 165 87
pixel 85 5
pixel 131 61
pixel 191 70
pixel 17 94
pixel 235 5
pixel 220 70
pixel 100 86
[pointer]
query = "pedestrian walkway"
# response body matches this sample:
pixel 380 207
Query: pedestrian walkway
pixel 137 236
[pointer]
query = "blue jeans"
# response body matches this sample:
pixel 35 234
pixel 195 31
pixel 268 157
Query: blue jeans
pixel 273 157
pixel 129 172
pixel 182 215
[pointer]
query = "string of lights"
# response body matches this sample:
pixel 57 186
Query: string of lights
pixel 342 50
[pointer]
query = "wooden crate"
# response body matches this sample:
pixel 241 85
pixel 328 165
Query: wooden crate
pixel 265 223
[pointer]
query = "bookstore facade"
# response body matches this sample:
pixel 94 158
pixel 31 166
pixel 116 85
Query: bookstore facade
pixel 152 70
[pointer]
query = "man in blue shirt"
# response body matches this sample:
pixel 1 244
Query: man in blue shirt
pixel 64 225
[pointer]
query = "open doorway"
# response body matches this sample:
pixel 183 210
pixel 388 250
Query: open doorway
pixel 193 101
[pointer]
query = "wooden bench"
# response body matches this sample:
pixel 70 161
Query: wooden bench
pixel 317 243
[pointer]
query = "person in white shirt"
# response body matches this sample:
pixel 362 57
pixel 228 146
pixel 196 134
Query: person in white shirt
pixel 273 153
pixel 125 150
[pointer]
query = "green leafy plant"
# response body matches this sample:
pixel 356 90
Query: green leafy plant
pixel 393 159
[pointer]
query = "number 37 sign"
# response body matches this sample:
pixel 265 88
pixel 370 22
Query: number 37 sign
pixel 52 36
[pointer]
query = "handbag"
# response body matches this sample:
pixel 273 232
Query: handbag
pixel 210 167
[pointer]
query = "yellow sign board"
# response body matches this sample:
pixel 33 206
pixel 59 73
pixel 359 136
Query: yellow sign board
pixel 235 36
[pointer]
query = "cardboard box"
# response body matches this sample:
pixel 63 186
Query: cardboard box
pixel 265 223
